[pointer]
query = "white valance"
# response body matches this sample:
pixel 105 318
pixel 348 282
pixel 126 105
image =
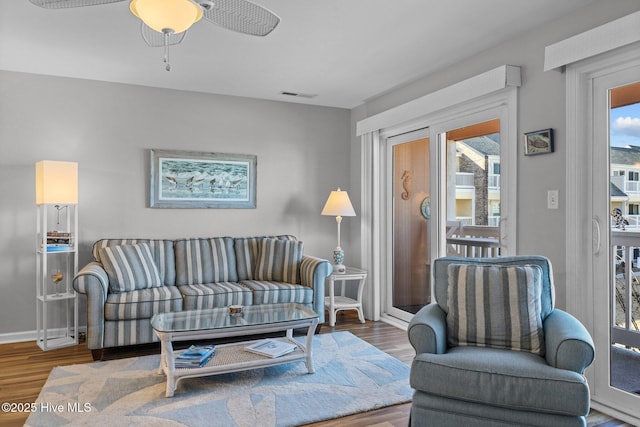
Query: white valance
pixel 474 87
pixel 604 38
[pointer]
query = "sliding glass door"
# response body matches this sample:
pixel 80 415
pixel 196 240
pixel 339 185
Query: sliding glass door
pixel 616 258
pixel 445 196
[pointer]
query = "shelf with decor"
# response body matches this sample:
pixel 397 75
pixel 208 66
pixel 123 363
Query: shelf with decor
pixel 56 254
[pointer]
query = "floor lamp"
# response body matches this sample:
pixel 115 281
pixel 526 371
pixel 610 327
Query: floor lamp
pixel 338 205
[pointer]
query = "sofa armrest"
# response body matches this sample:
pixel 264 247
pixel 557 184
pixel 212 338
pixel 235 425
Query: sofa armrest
pixel 92 280
pixel 568 343
pixel 428 330
pixel 313 273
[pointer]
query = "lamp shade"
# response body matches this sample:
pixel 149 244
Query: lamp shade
pixel 175 15
pixel 338 204
pixel 56 182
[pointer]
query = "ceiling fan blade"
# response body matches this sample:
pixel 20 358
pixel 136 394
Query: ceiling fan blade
pixel 156 39
pixel 239 15
pixel 63 4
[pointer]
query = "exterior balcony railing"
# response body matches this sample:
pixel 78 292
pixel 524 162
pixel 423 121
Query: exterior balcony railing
pixel 466 180
pixel 626 185
pixel 494 181
pixel 625 329
pixel 472 241
pixel 632 186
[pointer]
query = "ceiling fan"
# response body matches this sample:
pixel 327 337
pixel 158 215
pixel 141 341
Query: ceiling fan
pixel 165 22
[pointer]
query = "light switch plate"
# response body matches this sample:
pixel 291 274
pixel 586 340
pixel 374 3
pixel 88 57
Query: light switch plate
pixel 552 199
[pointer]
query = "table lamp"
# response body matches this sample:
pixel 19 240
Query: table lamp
pixel 338 205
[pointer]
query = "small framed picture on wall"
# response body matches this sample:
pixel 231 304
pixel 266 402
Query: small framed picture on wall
pixel 538 142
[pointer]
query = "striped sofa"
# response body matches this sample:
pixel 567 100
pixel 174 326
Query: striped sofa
pixel 130 280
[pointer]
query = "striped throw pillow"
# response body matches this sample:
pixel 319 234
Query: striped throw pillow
pixel 279 260
pixel 495 306
pixel 208 260
pixel 130 267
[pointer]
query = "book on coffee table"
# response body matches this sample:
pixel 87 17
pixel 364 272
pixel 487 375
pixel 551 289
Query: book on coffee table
pixel 195 356
pixel 271 348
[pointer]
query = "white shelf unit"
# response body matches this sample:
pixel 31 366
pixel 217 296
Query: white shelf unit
pixel 57 303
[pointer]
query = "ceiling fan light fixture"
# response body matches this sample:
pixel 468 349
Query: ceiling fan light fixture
pixel 161 15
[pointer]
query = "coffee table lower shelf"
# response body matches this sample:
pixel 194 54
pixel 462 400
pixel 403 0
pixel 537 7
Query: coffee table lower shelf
pixel 233 357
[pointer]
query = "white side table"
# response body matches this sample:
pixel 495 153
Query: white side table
pixel 334 302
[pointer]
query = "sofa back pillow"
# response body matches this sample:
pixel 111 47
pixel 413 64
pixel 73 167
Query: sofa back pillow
pixel 209 260
pixel 247 250
pixel 279 261
pixel 495 306
pixel 130 267
pixel 162 251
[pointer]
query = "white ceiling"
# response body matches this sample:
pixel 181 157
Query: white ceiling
pixel 345 51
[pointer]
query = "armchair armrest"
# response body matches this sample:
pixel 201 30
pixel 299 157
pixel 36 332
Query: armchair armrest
pixel 428 330
pixel 313 273
pixel 92 280
pixel 568 343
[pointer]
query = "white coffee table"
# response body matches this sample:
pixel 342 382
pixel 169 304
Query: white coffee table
pixel 209 324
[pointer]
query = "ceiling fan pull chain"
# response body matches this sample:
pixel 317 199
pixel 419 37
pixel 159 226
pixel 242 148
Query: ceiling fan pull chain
pixel 167 32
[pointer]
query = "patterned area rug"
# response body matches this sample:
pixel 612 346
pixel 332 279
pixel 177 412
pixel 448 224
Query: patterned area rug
pixel 350 376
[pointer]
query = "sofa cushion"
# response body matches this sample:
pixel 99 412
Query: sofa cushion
pixel 270 292
pixel 247 250
pixel 279 260
pixel 495 306
pixel 505 378
pixel 212 295
pixel 205 261
pixel 142 304
pixel 162 251
pixel 130 267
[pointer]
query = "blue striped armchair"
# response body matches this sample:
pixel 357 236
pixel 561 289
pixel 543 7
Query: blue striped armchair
pixel 494 351
pixel 130 280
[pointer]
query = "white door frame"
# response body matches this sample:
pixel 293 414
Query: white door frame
pixel 587 239
pixel 501 103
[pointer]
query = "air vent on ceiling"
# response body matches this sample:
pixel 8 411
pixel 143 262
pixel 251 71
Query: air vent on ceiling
pixel 299 95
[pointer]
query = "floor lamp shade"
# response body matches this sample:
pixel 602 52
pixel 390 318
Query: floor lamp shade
pixel 56 182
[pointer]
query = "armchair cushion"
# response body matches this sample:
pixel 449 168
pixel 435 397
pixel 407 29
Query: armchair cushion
pixel 279 260
pixel 504 378
pixel 130 267
pixel 495 306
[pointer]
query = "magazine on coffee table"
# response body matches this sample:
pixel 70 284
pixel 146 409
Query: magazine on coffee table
pixel 271 348
pixel 195 356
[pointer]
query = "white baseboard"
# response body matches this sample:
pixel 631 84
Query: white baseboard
pixel 394 321
pixel 13 337
pixel 17 337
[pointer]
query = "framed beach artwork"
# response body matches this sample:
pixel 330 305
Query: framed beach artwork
pixel 538 142
pixel 191 179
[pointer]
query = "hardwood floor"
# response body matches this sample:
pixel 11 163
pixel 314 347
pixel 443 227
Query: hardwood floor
pixel 24 369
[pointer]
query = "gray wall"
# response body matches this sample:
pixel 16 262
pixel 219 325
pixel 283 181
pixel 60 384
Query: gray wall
pixel 303 153
pixel 541 105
